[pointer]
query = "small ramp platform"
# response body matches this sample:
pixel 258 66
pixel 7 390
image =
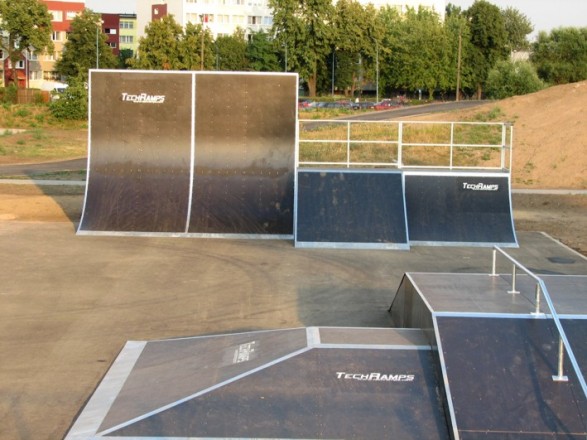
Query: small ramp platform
pixel 297 384
pixel 498 356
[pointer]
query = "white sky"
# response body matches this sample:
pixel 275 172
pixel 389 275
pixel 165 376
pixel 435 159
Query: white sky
pixel 545 15
pixel 113 6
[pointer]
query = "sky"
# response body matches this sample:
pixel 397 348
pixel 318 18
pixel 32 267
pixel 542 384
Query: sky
pixel 113 6
pixel 545 15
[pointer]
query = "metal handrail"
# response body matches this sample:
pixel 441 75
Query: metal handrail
pixel 541 287
pixel 401 144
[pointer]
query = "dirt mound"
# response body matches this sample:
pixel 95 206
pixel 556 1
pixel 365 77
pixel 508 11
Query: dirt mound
pixel 550 135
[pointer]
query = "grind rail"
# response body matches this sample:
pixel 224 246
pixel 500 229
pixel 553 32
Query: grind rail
pixel 542 289
pixel 405 144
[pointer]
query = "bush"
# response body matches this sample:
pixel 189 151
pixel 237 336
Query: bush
pixel 511 79
pixel 9 94
pixel 72 103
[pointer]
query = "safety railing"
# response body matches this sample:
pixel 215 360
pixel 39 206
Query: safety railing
pixel 405 144
pixel 541 290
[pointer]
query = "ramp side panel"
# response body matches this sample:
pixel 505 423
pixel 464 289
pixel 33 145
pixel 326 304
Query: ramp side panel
pixel 139 164
pixel 499 373
pixel 350 207
pixel 244 154
pixel 459 208
pixel 410 309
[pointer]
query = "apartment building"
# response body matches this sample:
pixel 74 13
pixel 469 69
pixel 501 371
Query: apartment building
pixel 63 12
pixel 402 6
pixel 223 17
pixel 128 32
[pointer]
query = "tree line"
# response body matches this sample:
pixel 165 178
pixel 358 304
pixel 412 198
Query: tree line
pixel 343 47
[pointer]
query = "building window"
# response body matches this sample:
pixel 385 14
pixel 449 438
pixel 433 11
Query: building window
pixel 70 15
pixel 57 15
pixel 35 75
pixel 253 19
pixel 56 36
pixel 127 25
pixel 238 19
pixel 110 31
pixel 126 39
pixel 19 64
pixel 112 45
pixel 50 76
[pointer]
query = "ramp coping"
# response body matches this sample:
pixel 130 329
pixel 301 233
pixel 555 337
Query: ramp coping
pixel 541 287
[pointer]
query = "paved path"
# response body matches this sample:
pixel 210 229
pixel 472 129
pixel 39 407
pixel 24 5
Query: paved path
pixel 32 169
pixel 438 107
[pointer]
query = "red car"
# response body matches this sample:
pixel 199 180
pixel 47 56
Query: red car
pixel 387 104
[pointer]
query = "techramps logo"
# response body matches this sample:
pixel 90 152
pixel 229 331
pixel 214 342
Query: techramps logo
pixel 142 98
pixel 375 377
pixel 467 186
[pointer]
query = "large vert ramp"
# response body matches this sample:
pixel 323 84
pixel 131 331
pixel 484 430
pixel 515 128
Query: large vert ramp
pixel 180 153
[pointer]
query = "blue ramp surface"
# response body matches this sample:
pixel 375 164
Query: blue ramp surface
pixel 499 373
pixel 314 383
pixel 459 208
pixel 351 208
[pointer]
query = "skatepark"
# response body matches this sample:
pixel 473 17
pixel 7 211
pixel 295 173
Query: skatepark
pixel 306 308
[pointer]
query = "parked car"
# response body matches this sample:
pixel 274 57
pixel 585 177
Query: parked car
pixel 388 104
pixel 363 105
pixel 304 103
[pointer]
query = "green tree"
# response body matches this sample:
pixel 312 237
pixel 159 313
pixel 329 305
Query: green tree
pixel 305 28
pixel 231 52
pixel 25 25
pixel 191 50
pixel 262 53
pixel 488 39
pixel 420 52
pixel 80 52
pixel 357 35
pixel 160 47
pixel 457 33
pixel 123 56
pixel 513 78
pixel 392 42
pixel 517 27
pixel 560 56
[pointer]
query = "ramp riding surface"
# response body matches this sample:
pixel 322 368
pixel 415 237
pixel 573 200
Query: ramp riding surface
pixel 294 384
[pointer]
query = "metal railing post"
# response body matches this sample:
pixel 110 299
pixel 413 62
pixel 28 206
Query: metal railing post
pixel 560 377
pixel 400 135
pixel 537 300
pixel 494 264
pixel 348 144
pixel 452 141
pixel 503 145
pixel 513 280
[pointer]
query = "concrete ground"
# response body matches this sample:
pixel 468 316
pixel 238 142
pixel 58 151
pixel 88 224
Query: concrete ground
pixel 69 303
